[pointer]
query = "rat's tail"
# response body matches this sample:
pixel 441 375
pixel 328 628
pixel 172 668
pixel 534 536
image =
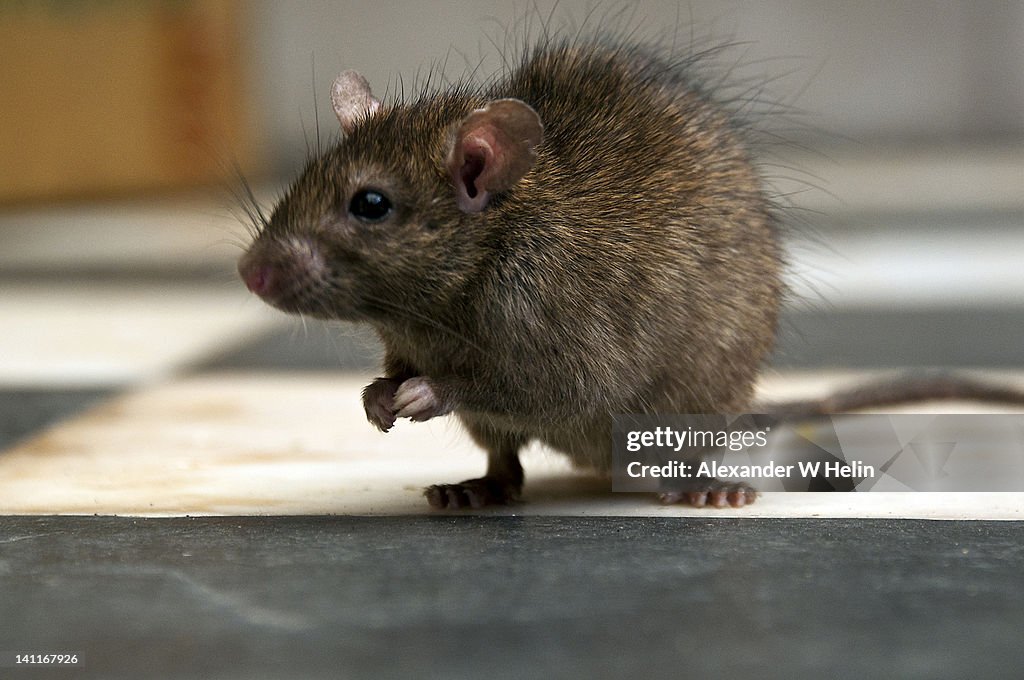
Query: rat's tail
pixel 902 389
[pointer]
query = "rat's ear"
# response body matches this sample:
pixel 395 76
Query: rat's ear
pixel 492 150
pixel 352 99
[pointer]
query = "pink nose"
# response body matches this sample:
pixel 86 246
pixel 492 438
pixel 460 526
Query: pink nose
pixel 258 279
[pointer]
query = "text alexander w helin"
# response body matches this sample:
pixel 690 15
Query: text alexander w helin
pixel 669 439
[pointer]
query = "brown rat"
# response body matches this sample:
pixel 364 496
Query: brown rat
pixel 586 236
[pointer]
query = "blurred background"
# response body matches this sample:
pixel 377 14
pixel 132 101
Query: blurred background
pixel 126 127
pixel 894 132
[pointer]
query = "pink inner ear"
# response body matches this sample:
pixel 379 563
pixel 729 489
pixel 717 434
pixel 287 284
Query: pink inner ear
pixel 472 166
pixel 473 170
pixel 491 151
pixel 474 160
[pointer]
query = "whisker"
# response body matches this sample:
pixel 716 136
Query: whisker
pixel 423 319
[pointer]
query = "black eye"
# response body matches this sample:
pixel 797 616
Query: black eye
pixel 370 205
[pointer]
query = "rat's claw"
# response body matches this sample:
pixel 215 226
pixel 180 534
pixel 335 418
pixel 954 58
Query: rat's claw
pixel 378 402
pixel 417 400
pixel 472 493
pixel 711 492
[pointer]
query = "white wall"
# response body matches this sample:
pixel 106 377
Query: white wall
pixel 871 70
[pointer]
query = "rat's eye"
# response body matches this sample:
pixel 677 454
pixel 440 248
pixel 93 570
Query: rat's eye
pixel 370 206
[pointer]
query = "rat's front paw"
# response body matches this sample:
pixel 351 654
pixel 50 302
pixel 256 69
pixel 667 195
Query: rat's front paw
pixel 713 492
pixel 416 399
pixel 378 402
pixel 472 493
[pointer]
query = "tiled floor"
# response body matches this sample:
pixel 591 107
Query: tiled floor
pixel 219 405
pixel 286 443
pixel 141 380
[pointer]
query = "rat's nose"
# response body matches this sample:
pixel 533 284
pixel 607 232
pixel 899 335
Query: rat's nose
pixel 258 278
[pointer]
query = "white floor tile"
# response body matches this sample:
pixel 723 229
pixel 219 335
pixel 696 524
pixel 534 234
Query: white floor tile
pixel 298 444
pixel 187 232
pixel 94 334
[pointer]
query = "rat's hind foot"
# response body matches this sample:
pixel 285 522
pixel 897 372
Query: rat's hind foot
pixel 711 492
pixel 472 493
pixel 416 399
pixel 378 402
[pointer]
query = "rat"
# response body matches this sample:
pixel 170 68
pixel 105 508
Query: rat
pixel 586 235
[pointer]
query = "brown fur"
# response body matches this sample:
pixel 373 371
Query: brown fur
pixel 635 268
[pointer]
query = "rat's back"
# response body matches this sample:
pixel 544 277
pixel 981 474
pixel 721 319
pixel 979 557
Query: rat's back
pixel 664 266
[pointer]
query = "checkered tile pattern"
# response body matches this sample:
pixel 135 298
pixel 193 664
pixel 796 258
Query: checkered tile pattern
pixel 138 377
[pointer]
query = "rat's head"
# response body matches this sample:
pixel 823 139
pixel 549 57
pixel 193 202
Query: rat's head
pixel 397 216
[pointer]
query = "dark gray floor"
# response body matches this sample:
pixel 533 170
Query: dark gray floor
pixel 503 597
pixel 26 410
pixel 978 337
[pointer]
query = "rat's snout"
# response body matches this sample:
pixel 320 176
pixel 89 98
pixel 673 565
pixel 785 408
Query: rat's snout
pixel 289 273
pixel 258 276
